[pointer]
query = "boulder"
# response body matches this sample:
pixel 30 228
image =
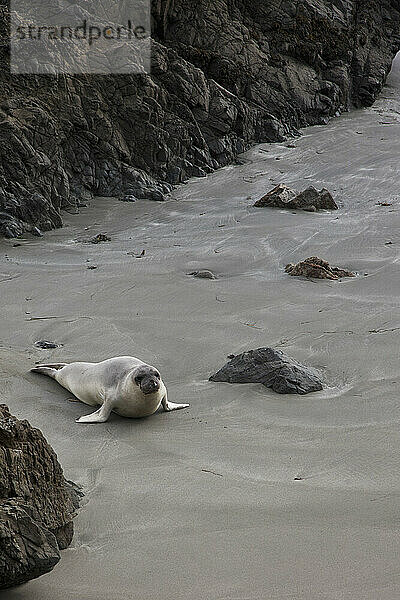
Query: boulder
pixel 316 268
pixel 280 196
pixel 37 504
pixel 273 368
pixel 311 197
pixel 309 200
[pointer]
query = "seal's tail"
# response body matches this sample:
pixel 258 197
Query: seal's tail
pixel 50 369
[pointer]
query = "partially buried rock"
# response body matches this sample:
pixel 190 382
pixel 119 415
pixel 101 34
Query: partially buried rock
pixel 316 268
pixel 37 504
pixel 272 368
pixel 203 274
pixel 46 345
pixel 100 237
pixel 310 199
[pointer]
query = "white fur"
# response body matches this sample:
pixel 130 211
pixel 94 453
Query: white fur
pixel 111 385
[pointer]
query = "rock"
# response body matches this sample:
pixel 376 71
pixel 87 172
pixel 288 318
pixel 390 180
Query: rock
pixel 316 268
pixel 37 504
pixel 36 232
pixel 203 274
pixel 311 197
pixel 128 198
pixel 280 196
pixel 100 237
pixel 46 345
pixel 272 368
pixel 309 200
pixel 255 73
pixel 141 255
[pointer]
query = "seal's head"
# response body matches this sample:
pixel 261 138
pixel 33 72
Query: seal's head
pixel 147 379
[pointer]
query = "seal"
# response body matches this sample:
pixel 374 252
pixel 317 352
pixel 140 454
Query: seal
pixel 124 385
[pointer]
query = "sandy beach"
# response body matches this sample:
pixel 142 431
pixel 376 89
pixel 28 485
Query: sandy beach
pixel 206 503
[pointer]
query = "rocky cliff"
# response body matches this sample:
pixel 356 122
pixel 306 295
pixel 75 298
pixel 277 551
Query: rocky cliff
pixel 36 503
pixel 226 74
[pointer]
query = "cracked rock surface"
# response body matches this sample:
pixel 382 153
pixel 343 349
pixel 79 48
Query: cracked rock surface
pixel 37 504
pixel 225 75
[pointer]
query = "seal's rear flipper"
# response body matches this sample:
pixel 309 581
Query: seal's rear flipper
pixel 50 370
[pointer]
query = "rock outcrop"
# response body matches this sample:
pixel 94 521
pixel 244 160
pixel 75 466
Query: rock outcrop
pixel 225 75
pixel 37 504
pixel 316 268
pixel 272 368
pixel 310 199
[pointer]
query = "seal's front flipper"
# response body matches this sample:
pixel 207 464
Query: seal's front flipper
pixel 99 416
pixel 168 406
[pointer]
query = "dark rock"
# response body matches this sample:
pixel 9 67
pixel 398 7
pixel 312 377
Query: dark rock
pixel 316 268
pixel 46 345
pixel 129 198
pixel 272 368
pixel 37 505
pixel 141 255
pixel 280 196
pixel 322 200
pixel 203 274
pixel 100 237
pixel 256 72
pixel 36 232
pixel 309 200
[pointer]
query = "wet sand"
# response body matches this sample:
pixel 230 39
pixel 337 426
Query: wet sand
pixel 203 503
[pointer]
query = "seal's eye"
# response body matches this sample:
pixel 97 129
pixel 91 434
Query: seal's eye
pixel 138 379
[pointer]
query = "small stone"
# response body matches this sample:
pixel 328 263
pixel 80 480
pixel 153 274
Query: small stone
pixel 203 274
pixel 36 232
pixel 100 237
pixel 128 198
pixel 46 345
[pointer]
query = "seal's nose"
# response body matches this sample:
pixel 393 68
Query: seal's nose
pixel 150 386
